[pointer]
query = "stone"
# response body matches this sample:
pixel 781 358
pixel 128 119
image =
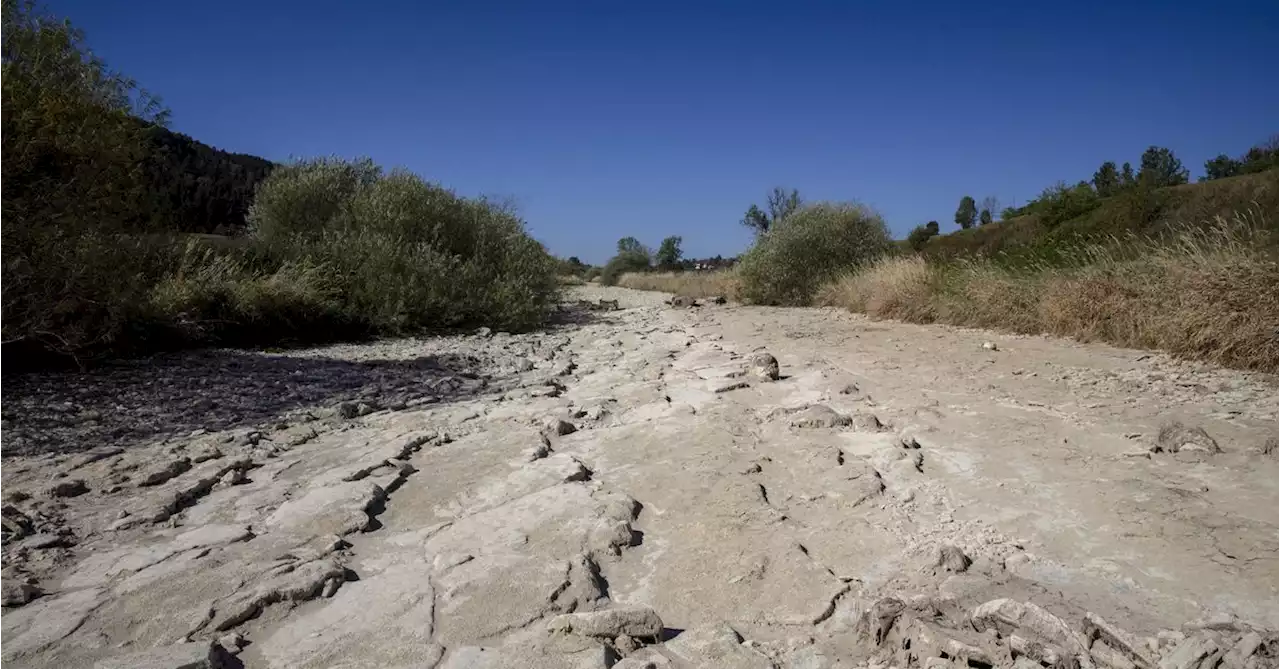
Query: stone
pixel 865 422
pixel 524 365
pixel 649 661
pixel 952 559
pixel 16 524
pixel 764 366
pixel 14 592
pixel 72 488
pixel 625 645
pixel 819 416
pixel 1032 622
pixel 348 410
pixel 1189 653
pixel 366 408
pixel 1244 648
pixel 719 299
pixel 483 332
pixel 1175 437
pixel 163 472
pixel 1119 640
pixel 640 621
pixel 878 620
pixel 683 302
pixel 204 655
pixel 559 427
pixel 231 477
pixel 716 645
pixel 232 643
pixel 990 346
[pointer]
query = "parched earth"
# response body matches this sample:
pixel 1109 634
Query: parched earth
pixel 636 490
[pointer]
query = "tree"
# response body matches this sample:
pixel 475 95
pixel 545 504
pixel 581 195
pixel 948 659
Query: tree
pixel 920 235
pixel 1008 213
pixel 932 227
pixel 1107 179
pixel 781 204
pixel 1221 167
pixel 1126 176
pixel 629 245
pixel 987 210
pixel 967 213
pixel 669 253
pixel 1161 168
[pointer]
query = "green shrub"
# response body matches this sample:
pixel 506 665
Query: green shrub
pixel 407 255
pixel 809 248
pixel 626 261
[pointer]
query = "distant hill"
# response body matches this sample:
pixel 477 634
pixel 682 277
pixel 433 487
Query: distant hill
pixel 198 188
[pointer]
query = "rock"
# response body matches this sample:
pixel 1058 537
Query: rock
pixel 559 427
pixel 1108 657
pixel 719 299
pixel 205 453
pixel 625 645
pixel 232 643
pixel 764 366
pixel 683 302
pixel 1030 622
pixel 72 488
pixel 1244 648
pixel 204 655
pixel 866 422
pixel 524 365
pixel 366 408
pixel 16 524
pixel 40 541
pixel 819 416
pixel 1176 437
pixel 1268 446
pixel 717 646
pixel 163 472
pixel 731 385
pixel 1118 640
pixel 640 621
pixel 1189 653
pixel 483 332
pixel 649 661
pixel 231 477
pixel 990 346
pixel 348 410
pixel 878 620
pixel 14 592
pixel 952 559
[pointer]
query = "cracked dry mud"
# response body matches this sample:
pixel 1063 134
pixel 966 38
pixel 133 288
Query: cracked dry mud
pixel 629 491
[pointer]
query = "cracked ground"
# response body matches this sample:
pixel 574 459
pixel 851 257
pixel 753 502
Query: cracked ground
pixel 424 503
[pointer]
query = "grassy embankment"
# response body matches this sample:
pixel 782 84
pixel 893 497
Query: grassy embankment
pixel 1191 270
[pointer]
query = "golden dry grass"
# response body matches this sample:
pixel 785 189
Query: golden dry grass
pixel 1211 295
pixel 691 284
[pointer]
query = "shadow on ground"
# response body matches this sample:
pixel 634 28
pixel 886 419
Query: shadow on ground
pixel 129 402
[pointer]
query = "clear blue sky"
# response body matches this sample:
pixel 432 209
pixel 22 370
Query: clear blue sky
pixel 606 119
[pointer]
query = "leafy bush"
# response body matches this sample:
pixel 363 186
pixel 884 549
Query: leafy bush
pixel 74 268
pixel 627 261
pixel 408 255
pixel 807 249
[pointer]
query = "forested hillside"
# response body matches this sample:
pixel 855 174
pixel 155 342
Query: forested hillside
pixel 197 188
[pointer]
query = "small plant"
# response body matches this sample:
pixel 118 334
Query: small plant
pixel 787 266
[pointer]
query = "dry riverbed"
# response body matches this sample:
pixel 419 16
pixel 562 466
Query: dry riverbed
pixel 636 490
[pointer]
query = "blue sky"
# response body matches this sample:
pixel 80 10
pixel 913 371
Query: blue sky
pixel 608 119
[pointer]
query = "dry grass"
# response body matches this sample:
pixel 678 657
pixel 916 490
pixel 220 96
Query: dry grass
pixel 1209 294
pixel 691 284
